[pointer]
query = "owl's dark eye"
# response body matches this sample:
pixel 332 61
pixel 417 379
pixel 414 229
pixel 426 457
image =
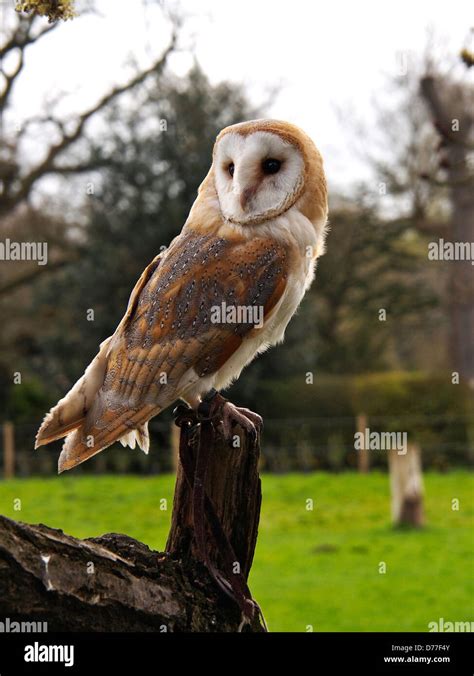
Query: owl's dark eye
pixel 271 166
pixel 231 168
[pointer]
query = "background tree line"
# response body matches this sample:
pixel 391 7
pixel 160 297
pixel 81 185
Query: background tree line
pixel 118 196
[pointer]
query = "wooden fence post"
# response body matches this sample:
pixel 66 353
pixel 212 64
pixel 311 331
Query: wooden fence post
pixel 8 450
pixel 174 437
pixel 406 481
pixel 363 453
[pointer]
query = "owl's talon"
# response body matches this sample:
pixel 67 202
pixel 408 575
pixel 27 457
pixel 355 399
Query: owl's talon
pixel 226 414
pixel 232 415
pixel 254 417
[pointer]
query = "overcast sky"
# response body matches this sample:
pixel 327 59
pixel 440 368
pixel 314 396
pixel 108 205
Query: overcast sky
pixel 322 55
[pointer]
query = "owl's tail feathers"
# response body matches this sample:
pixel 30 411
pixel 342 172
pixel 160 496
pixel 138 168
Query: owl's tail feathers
pixel 51 428
pixel 70 412
pixel 97 432
pixel 138 436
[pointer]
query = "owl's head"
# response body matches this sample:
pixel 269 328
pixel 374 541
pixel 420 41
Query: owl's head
pixel 263 167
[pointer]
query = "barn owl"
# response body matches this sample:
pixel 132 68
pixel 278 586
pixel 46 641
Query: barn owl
pixel 221 293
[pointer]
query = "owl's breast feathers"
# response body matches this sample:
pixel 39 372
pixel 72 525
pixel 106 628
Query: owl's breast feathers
pixel 169 337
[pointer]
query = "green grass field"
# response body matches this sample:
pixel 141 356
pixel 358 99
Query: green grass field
pixel 316 568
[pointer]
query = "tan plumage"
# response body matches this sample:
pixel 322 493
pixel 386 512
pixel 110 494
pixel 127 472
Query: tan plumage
pixel 251 240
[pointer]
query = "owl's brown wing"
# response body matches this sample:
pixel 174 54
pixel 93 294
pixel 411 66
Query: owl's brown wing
pixel 70 412
pixel 171 335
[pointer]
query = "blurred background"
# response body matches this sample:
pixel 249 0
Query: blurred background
pixel 107 127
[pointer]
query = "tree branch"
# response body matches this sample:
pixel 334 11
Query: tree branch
pixel 48 164
pixel 109 583
pixel 21 37
pixel 10 80
pixel 441 117
pixel 31 275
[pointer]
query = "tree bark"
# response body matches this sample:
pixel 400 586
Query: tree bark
pixel 233 486
pixel 115 583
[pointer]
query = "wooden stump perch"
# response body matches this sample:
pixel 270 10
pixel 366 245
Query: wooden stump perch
pixel 233 486
pixel 115 583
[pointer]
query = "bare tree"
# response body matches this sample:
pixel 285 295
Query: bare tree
pixel 18 180
pixel 451 105
pixel 16 185
pixel 424 163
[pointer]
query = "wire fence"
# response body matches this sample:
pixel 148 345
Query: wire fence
pixel 297 444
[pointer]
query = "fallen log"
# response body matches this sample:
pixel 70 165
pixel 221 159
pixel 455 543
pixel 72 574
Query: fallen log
pixel 115 583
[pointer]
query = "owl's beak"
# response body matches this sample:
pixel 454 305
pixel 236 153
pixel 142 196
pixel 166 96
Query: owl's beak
pixel 246 195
